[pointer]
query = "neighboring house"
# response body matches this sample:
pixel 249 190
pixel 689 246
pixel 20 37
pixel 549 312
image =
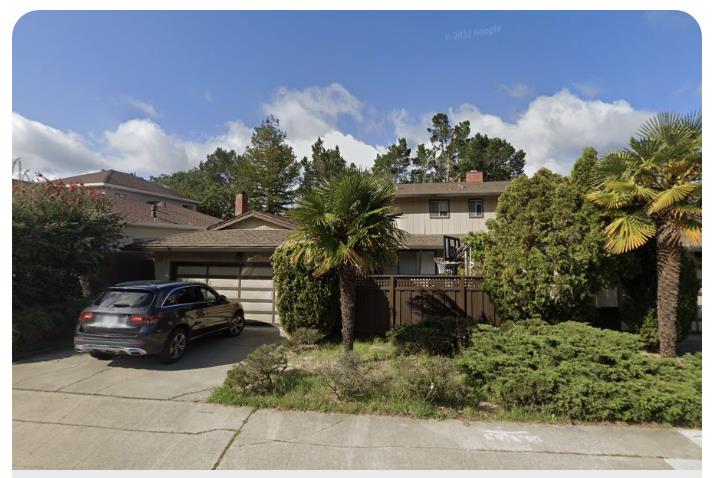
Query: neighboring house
pixel 233 256
pixel 149 211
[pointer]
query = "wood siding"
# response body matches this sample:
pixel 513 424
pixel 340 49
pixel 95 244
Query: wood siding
pixel 416 215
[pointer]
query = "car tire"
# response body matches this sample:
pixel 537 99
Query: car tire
pixel 236 325
pixel 175 346
pixel 102 355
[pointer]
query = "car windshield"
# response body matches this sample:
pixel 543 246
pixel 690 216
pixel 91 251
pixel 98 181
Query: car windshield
pixel 124 298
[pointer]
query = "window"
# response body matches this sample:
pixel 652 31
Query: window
pixel 121 195
pixel 208 295
pixel 184 295
pixel 475 206
pixel 124 298
pixel 440 208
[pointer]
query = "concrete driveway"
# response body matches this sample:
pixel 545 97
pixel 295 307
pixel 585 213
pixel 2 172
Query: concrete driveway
pixel 203 368
pixel 71 411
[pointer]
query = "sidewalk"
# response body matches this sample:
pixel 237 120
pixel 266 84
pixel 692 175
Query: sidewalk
pixel 59 430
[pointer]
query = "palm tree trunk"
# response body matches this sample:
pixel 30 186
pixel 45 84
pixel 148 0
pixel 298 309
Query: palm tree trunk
pixel 347 285
pixel 667 295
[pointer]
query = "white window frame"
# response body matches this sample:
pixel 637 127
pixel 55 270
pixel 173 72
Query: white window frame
pixel 473 214
pixel 439 214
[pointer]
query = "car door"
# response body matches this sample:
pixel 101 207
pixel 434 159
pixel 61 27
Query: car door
pixel 219 311
pixel 188 305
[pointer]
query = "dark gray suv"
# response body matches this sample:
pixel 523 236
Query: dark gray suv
pixel 154 317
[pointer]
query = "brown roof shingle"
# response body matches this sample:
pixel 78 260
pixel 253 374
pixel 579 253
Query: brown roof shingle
pixel 137 212
pixel 222 239
pixel 487 188
pixel 118 178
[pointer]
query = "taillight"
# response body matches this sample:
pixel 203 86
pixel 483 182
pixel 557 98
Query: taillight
pixel 86 316
pixel 144 319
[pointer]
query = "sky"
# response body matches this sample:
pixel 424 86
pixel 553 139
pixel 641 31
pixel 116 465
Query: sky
pixel 155 92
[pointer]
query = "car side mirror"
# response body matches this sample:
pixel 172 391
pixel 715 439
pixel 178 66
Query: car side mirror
pixel 222 299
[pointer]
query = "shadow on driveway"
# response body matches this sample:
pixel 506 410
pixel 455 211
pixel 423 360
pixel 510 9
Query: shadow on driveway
pixel 211 351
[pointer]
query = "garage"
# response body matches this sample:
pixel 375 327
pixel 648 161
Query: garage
pixel 250 283
pixel 232 257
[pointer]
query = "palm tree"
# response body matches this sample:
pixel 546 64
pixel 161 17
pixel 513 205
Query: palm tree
pixel 653 190
pixel 348 225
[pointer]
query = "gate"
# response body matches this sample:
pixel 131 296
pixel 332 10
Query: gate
pixel 387 301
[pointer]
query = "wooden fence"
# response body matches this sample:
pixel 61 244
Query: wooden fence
pixel 386 301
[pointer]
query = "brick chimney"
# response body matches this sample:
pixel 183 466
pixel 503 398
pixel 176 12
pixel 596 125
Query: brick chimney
pixel 241 204
pixel 474 177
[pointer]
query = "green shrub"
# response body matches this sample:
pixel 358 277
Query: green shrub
pixel 434 335
pixel 38 326
pixel 582 373
pixel 302 299
pixel 428 378
pixel 348 378
pixel 259 372
pixel 303 338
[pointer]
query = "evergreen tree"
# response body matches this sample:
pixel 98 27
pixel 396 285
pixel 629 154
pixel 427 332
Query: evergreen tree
pixel 325 164
pixel 269 172
pixel 395 162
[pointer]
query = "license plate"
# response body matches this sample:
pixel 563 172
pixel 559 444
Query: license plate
pixel 111 321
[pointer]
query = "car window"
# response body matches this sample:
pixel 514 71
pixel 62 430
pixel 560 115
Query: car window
pixel 124 298
pixel 184 295
pixel 208 295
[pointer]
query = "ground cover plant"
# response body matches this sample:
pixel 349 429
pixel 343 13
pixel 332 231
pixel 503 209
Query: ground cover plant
pixel 524 370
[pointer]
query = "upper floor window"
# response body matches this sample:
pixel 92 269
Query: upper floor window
pixel 440 208
pixel 475 206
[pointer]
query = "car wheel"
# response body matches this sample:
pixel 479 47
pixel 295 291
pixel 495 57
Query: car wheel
pixel 236 325
pixel 102 355
pixel 175 346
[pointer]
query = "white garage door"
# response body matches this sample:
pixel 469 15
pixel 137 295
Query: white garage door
pixel 251 284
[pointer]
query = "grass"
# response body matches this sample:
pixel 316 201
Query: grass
pixel 302 388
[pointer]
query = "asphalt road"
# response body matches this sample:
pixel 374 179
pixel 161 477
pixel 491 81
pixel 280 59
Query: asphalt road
pixel 71 411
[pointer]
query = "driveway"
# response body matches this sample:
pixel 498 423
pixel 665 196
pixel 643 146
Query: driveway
pixel 71 411
pixel 203 368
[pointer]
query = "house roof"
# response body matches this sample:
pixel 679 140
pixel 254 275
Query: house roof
pixel 487 188
pixel 137 212
pixel 109 178
pixel 222 239
pixel 282 221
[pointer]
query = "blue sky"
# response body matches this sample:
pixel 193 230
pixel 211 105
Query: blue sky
pixel 155 91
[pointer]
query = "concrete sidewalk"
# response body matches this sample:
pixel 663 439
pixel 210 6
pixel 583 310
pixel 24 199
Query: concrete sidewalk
pixel 61 430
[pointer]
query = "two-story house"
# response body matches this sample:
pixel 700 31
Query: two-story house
pixel 233 256
pixel 148 211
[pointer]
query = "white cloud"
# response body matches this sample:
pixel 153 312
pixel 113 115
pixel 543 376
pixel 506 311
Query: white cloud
pixel 552 131
pixel 53 152
pixel 142 106
pixel 589 90
pixel 517 90
pixel 313 112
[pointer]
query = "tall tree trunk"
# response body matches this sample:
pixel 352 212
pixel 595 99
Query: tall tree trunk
pixel 347 285
pixel 85 286
pixel 667 294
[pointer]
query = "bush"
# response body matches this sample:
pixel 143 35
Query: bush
pixel 35 327
pixel 348 378
pixel 259 372
pixel 303 338
pixel 543 256
pixel 302 299
pixel 582 373
pixel 434 335
pixel 432 379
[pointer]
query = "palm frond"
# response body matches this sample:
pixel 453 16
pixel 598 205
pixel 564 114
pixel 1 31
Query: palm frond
pixel 671 196
pixel 627 233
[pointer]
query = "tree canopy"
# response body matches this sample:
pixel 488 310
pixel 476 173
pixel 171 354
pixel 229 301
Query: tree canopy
pixel 542 254
pixel 325 164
